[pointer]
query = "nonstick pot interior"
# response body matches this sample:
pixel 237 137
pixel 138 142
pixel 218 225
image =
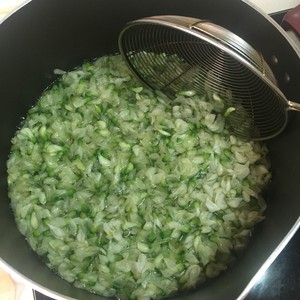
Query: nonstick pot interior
pixel 45 35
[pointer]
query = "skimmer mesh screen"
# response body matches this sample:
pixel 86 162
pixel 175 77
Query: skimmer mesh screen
pixel 175 59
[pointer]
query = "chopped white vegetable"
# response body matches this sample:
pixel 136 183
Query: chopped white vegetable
pixel 127 193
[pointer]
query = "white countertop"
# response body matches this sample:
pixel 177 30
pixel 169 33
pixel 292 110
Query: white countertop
pixel 271 6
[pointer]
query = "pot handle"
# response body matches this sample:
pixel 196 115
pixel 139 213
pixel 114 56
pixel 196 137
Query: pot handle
pixel 291 24
pixel 291 20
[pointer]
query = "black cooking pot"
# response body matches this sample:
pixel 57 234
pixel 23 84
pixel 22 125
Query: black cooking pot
pixel 45 35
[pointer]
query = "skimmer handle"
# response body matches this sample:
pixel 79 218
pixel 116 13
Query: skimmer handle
pixel 293 106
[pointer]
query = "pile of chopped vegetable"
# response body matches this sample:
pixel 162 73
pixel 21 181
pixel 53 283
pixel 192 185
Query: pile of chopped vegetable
pixel 127 193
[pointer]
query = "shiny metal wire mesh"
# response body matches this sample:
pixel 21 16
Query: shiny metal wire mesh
pixel 172 60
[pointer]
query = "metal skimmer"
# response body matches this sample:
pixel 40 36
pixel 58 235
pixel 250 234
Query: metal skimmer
pixel 175 53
